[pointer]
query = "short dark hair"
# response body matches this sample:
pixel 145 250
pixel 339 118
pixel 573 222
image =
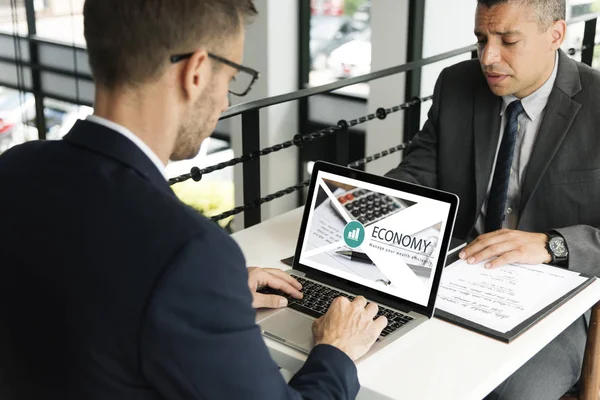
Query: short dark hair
pixel 130 41
pixel 548 11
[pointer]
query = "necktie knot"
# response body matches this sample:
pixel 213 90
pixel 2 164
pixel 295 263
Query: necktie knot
pixel 513 110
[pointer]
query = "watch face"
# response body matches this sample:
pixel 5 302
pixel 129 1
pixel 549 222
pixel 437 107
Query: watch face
pixel 557 245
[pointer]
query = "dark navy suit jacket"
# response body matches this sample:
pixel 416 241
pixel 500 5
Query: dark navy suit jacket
pixel 111 288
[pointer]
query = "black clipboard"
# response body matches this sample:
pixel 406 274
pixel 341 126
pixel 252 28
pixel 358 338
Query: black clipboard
pixel 509 336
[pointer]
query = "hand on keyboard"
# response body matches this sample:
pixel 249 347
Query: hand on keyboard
pixel 318 298
pixel 278 281
pixel 349 326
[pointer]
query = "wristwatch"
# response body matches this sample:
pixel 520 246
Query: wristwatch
pixel 557 248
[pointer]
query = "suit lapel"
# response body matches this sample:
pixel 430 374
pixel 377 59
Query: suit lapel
pixel 559 114
pixel 486 127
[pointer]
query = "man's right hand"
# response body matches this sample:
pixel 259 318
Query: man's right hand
pixel 349 326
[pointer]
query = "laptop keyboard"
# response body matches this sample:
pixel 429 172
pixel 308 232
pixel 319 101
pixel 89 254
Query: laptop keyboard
pixel 317 299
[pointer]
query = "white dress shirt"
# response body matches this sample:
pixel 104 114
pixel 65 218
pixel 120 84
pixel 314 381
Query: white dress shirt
pixel 529 125
pixel 131 136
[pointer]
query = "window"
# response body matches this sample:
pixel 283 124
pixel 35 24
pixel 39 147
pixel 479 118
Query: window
pixel 574 37
pixel 13 20
pixel 439 20
pixel 340 42
pixel 580 8
pixel 60 20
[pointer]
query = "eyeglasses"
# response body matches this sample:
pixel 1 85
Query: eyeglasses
pixel 242 82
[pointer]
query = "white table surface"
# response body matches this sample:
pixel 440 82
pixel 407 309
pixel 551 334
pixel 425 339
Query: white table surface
pixel 437 360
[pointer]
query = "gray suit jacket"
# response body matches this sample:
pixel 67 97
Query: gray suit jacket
pixel 561 189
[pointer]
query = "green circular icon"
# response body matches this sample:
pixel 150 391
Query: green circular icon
pixel 354 234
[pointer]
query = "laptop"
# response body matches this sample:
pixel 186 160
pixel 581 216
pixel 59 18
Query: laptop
pixel 363 234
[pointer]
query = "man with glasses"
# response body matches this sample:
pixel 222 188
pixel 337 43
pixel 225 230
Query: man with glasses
pixel 111 288
pixel 240 84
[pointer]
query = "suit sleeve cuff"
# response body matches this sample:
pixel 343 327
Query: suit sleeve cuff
pixel 337 356
pixel 326 360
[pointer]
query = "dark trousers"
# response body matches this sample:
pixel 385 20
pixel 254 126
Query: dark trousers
pixel 550 373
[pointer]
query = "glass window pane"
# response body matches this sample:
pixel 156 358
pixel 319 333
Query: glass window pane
pixel 60 20
pixel 574 37
pixel 439 20
pixel 340 42
pixel 13 20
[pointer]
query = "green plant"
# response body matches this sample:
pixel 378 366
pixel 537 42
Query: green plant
pixel 350 6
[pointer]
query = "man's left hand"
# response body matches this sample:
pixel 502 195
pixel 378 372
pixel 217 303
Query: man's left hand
pixel 508 246
pixel 275 279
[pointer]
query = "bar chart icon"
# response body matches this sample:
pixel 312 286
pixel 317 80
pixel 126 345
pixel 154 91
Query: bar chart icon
pixel 354 234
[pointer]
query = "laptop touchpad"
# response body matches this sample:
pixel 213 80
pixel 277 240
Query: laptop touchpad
pixel 291 328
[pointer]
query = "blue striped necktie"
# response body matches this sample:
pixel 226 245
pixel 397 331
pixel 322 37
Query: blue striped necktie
pixel 496 207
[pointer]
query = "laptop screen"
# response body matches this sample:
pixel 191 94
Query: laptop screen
pixel 375 236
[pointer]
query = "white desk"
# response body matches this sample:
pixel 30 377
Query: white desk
pixel 436 361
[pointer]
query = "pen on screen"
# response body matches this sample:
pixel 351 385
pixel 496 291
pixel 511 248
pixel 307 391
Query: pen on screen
pixel 362 257
pixel 356 256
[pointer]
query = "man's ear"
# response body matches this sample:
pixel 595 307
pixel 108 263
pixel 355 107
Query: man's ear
pixel 195 74
pixel 558 30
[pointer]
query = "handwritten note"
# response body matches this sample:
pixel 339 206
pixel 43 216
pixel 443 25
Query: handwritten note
pixel 504 297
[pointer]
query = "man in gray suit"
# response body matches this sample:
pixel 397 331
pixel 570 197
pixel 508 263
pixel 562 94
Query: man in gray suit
pixel 519 144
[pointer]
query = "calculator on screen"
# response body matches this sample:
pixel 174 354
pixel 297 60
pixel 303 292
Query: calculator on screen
pixel 367 206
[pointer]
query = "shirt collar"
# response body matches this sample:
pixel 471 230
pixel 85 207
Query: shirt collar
pixel 131 136
pixel 535 103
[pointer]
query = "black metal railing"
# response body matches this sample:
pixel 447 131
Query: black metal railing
pixel 250 113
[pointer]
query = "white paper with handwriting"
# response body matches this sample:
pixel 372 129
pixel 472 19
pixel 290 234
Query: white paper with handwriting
pixel 502 298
